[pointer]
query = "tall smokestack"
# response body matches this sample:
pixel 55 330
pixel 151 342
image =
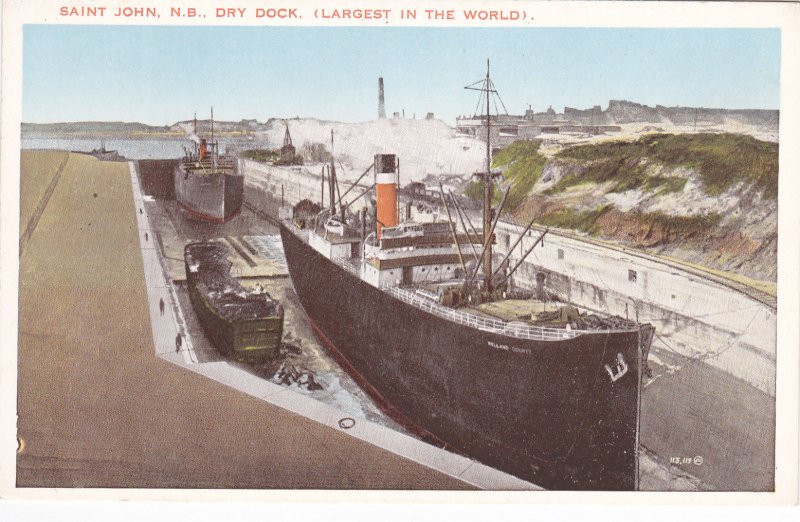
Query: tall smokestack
pixel 386 179
pixel 381 103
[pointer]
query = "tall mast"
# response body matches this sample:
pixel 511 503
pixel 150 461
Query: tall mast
pixel 488 192
pixel 487 177
pixel 488 123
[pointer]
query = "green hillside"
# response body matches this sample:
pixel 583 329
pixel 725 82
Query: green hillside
pixel 720 159
pixel 522 166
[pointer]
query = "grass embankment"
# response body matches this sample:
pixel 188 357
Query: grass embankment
pixel 522 167
pixel 720 159
pixel 684 226
pixel 606 220
pixel 571 219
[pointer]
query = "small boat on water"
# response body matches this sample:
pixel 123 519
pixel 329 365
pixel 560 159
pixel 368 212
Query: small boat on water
pixel 106 155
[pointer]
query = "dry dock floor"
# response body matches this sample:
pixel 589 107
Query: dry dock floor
pixel 97 408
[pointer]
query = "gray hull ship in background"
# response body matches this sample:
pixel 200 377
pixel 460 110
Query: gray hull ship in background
pixel 208 186
pixel 551 395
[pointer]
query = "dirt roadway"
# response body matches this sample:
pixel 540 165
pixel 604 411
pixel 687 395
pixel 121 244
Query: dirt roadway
pixel 97 408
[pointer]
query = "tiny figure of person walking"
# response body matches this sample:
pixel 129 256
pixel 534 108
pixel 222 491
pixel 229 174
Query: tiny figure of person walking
pixel 145 236
pixel 161 306
pixel 178 342
pixel 140 211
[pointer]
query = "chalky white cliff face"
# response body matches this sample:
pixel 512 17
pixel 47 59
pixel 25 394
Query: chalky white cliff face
pixel 424 146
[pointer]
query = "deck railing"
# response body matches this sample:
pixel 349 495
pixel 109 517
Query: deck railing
pixel 520 331
pixel 350 265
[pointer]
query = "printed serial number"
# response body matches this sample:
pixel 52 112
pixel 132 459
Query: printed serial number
pixel 697 461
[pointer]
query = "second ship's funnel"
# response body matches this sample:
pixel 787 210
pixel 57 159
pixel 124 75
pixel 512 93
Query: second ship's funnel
pixel 386 190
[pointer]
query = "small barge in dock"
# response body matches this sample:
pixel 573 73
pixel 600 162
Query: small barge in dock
pixel 242 324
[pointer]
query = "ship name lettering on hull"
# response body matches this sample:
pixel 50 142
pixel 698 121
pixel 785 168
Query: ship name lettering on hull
pixel 507 348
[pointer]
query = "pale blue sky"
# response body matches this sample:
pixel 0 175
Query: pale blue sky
pixel 159 74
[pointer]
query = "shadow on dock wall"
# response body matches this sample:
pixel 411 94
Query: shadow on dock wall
pixel 156 179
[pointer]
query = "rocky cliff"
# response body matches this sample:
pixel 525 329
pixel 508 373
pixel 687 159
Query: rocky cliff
pixel 710 199
pixel 623 112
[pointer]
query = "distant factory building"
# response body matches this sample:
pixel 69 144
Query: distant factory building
pixel 505 128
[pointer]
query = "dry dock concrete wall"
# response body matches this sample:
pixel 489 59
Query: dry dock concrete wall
pixel 694 315
pixel 298 183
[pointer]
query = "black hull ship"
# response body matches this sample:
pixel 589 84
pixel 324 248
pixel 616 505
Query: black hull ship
pixel 208 186
pixel 551 397
pixel 242 324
